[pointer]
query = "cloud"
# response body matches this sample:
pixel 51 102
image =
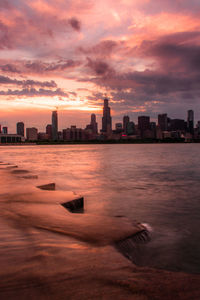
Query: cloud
pixel 75 23
pixel 27 25
pixel 4 4
pixel 27 83
pixel 175 52
pixel 32 92
pixel 104 48
pixel 43 67
pixel 100 68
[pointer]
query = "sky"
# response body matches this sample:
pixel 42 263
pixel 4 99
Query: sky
pixel 144 55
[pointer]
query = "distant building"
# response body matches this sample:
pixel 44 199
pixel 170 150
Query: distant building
pixel 143 124
pixel 5 130
pixel 49 131
pixel 93 123
pixel 93 126
pixel 118 127
pixel 10 138
pixel 177 124
pixel 130 128
pixel 31 134
pixel 106 119
pixel 20 128
pixel 126 120
pixel 73 134
pixel 153 129
pixel 43 136
pixel 162 122
pixel 54 125
pixel 190 121
pixel 198 127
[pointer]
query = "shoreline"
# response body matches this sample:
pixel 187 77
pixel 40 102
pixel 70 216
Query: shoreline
pixel 109 142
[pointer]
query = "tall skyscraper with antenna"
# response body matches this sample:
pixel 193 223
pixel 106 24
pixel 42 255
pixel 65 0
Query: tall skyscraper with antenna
pixel 106 120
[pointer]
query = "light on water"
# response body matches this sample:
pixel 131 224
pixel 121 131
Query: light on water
pixel 157 185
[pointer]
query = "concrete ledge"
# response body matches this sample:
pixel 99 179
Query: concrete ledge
pixel 48 187
pixel 128 246
pixel 75 206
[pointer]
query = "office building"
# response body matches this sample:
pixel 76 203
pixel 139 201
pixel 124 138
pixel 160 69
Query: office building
pixel 31 134
pixel 106 119
pixel 177 124
pixel 93 123
pixel 73 134
pixel 20 128
pixel 126 120
pixel 118 127
pixel 130 128
pixel 163 122
pixel 143 122
pixel 49 131
pixel 54 125
pixel 43 136
pixel 190 121
pixel 10 138
pixel 5 130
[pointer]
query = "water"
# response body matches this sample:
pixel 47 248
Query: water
pixel 155 184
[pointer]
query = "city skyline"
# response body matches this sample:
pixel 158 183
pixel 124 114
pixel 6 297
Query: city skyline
pixel 164 128
pixel 66 120
pixel 68 55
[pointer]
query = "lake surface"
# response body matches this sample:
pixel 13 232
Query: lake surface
pixel 155 184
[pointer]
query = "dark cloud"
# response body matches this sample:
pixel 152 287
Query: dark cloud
pixel 75 24
pixel 9 68
pixel 39 66
pixel 27 83
pixel 175 76
pixel 104 48
pixel 100 68
pixel 176 53
pixel 32 92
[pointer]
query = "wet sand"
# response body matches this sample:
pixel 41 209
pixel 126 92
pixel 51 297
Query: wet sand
pixel 48 253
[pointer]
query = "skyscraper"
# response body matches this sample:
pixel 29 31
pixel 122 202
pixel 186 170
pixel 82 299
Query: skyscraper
pixel 106 120
pixel 143 123
pixel 162 122
pixel 20 128
pixel 54 126
pixel 93 124
pixel 190 121
pixel 49 131
pixel 126 120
